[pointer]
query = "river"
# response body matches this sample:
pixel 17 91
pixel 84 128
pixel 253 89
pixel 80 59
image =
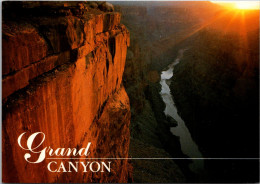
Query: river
pixel 188 146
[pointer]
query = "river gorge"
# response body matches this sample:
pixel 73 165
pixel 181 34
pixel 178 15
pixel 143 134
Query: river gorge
pixel 164 92
pixel 188 146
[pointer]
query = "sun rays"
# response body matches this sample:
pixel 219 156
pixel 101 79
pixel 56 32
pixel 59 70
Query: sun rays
pixel 242 5
pixel 247 5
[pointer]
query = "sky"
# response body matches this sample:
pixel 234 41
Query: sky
pixel 239 4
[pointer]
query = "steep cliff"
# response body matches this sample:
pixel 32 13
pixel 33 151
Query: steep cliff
pixel 215 88
pixel 62 71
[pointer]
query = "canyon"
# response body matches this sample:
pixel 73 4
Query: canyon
pixel 186 87
pixel 215 89
pixel 222 49
pixel 157 31
pixel 93 166
pixel 63 64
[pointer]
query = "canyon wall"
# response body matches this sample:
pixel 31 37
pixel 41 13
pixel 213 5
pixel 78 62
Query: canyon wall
pixel 215 88
pixel 62 72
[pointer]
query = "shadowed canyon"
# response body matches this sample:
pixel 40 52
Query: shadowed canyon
pixel 164 92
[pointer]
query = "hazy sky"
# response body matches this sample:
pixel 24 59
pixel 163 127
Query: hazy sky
pixel 239 4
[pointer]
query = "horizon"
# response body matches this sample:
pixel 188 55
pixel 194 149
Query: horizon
pixel 239 5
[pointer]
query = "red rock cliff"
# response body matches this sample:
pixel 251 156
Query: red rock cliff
pixel 62 71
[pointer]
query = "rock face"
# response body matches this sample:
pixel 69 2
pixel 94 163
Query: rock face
pixel 62 71
pixel 219 101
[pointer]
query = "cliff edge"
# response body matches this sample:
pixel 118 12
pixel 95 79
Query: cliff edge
pixel 62 72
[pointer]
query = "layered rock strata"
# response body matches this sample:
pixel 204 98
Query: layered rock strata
pixel 62 71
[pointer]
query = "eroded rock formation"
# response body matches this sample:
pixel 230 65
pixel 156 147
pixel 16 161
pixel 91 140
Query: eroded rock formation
pixel 62 71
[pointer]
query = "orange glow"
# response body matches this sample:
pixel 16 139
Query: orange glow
pixel 228 20
pixel 242 5
pixel 247 5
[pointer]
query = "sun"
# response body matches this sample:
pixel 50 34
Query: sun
pixel 241 5
pixel 246 5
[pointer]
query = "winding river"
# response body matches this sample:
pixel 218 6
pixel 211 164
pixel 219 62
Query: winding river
pixel 188 146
